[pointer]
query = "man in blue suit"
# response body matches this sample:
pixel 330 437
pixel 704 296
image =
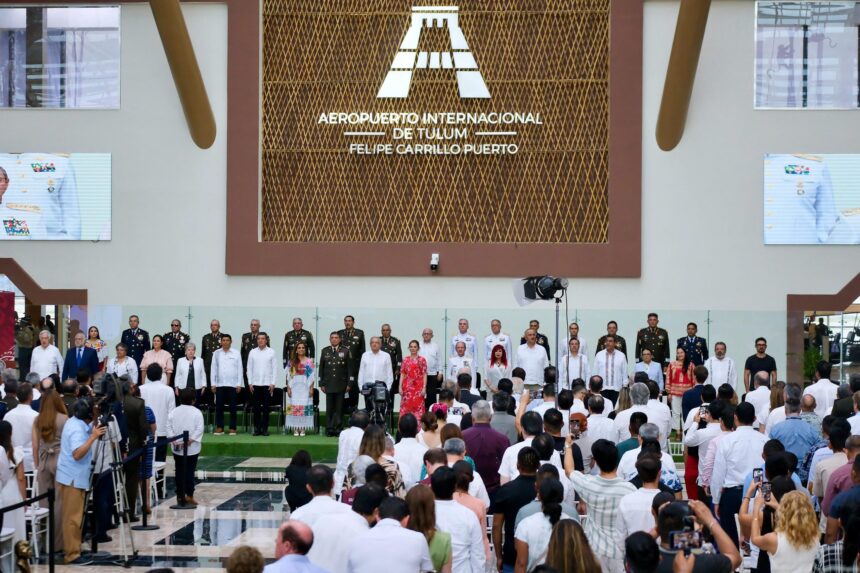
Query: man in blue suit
pixel 80 357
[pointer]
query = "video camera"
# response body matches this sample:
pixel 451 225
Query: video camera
pixel 376 391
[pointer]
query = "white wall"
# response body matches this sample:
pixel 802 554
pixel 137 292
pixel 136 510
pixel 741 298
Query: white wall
pixel 702 203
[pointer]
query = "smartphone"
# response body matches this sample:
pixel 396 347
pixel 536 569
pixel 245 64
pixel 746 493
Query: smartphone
pixel 702 411
pixel 456 411
pixel 537 395
pixel 757 473
pixel 765 490
pixel 574 429
pixel 685 540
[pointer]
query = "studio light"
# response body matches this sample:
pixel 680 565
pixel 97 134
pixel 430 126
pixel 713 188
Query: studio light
pixel 543 288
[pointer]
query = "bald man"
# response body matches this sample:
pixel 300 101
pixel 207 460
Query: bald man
pixel 292 544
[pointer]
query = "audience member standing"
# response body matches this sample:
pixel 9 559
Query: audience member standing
pixel 347 445
pixel 509 499
pixel 533 533
pixel 569 551
pixel 466 544
pixel 634 509
pixel 760 398
pixel 679 379
pixel 796 435
pixel 794 542
pixel 186 418
pixel 46 431
pixel 611 364
pixel 46 358
pixel 390 546
pixel 485 445
pixel 320 483
pixel 532 358
pixel 823 390
pixel 675 516
pixel 78 357
pixel 333 533
pixel 292 544
pixel 160 398
pixel 21 417
pixel 422 518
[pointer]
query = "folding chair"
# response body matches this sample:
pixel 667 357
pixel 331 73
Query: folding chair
pixel 36 516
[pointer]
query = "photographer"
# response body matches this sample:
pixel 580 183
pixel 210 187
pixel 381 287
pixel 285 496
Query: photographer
pixel 108 414
pixel 694 515
pixel 73 475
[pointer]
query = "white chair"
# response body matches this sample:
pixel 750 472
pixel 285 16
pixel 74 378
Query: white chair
pixel 7 549
pixel 157 478
pixel 36 516
pixel 490 527
pixel 676 449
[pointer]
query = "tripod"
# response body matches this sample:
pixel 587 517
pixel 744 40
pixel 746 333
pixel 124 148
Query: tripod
pixel 110 441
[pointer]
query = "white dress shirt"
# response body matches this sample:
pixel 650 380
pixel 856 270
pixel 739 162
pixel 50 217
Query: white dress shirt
pixel 375 366
pixel 854 421
pixel 469 340
pixel 492 340
pixel 46 361
pixel 533 360
pixel 824 392
pixel 508 467
pixel 21 417
pixel 347 450
pixel 183 366
pixel 601 428
pixel 161 400
pixel 622 422
pixel 578 368
pixel 227 369
pixel 263 367
pixel 128 367
pixel 627 464
pixel 653 370
pixel 457 363
pixel 760 399
pixel 430 352
pixel 660 414
pixel 535 530
pixel 634 512
pixel 721 372
pixel 467 544
pixel 332 539
pixel 392 548
pixel 701 438
pixel 612 368
pixel 186 419
pixel 773 418
pixel 409 452
pixel 319 506
pixel 736 456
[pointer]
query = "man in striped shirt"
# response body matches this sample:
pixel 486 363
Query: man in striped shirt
pixel 602 494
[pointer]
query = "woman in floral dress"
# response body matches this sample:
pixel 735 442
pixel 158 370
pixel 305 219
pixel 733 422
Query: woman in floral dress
pixel 413 377
pixel 301 375
pixel 94 341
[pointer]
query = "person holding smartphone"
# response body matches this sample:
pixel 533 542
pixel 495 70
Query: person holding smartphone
pixel 676 516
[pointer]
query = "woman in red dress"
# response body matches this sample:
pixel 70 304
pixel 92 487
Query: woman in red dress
pixel 679 379
pixel 413 376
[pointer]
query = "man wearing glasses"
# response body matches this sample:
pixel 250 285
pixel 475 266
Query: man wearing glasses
pixel 761 361
pixel 175 341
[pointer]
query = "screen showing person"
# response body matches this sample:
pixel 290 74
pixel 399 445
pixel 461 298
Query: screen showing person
pixel 812 199
pixel 55 196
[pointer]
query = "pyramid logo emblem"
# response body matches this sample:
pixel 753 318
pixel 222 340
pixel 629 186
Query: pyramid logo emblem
pixel 409 60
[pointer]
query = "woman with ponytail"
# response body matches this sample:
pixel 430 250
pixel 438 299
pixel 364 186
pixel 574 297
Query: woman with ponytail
pixel 844 555
pixel 533 533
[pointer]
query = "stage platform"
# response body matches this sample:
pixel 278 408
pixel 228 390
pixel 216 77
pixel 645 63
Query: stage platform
pixel 276 445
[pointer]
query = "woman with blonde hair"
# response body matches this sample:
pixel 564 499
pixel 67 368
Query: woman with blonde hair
pixel 624 400
pixel 47 429
pixel 569 551
pixel 373 445
pixel 422 518
pixel 793 544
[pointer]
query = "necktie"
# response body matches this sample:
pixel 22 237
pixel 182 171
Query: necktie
pixel 190 383
pixel 80 353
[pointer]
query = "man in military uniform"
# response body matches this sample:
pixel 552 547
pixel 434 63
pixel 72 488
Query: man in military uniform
pixel 175 341
pixel 249 343
pixel 542 340
pixel 655 339
pixel 296 335
pixel 696 347
pixel 612 330
pixel 334 373
pixel 799 205
pixel 211 343
pixel 135 338
pixel 38 197
pixel 392 347
pixel 26 338
pixel 353 339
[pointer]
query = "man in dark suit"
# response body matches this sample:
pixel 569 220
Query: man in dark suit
pixel 464 383
pixel 844 407
pixel 135 417
pixel 80 357
pixel 692 398
pixel 135 338
pixel 353 339
pixel 335 373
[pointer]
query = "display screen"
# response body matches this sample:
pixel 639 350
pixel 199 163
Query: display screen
pixel 55 196
pixel 812 199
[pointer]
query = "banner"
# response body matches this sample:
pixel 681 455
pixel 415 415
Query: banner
pixel 7 328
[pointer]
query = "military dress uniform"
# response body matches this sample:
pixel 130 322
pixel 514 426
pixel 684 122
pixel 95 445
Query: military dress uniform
pixel 696 348
pixel 470 340
pixel 292 338
pixel 394 349
pixel 26 338
pixel 137 341
pixel 654 339
pixel 174 343
pixel 335 370
pixel 540 340
pixel 620 343
pixel 354 341
pixel 41 201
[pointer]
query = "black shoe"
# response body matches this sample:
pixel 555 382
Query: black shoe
pixel 104 539
pixel 81 561
pixel 265 432
pixel 134 519
pixel 255 433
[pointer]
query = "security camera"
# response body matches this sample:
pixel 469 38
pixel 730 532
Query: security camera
pixel 434 262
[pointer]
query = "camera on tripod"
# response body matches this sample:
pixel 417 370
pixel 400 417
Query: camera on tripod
pixel 376 391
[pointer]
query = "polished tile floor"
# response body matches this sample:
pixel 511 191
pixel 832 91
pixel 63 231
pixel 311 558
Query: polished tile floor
pixel 230 513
